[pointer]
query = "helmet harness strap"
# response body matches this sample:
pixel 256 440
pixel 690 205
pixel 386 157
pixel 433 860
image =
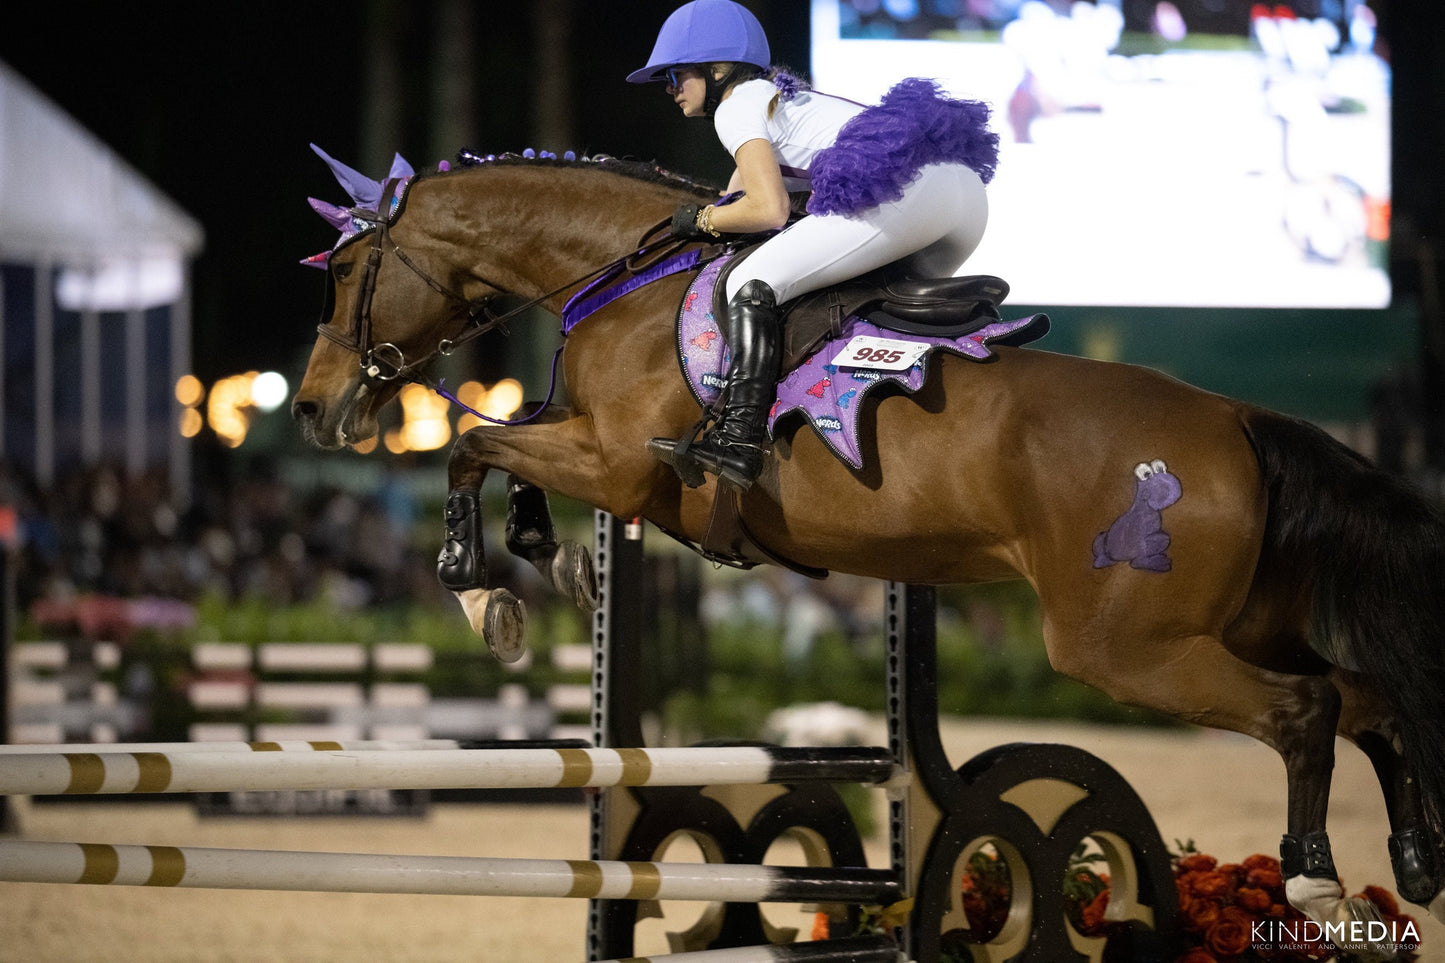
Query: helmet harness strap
pixel 717 87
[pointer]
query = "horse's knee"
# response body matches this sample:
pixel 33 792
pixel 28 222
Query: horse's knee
pixel 465 467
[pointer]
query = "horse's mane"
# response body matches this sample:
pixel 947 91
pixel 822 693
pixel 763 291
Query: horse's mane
pixel 638 170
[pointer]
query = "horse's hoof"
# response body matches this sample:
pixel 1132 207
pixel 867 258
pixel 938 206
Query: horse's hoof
pixel 572 574
pixel 1323 901
pixel 500 618
pixel 504 625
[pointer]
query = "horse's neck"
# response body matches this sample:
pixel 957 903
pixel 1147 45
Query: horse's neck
pixel 548 227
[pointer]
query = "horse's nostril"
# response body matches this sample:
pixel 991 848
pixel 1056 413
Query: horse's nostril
pixel 304 410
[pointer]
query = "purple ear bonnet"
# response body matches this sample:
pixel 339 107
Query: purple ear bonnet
pixel 706 31
pixel 366 195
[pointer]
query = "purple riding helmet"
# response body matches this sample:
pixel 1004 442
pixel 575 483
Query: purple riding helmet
pixel 705 32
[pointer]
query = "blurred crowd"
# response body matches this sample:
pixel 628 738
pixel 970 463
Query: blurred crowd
pixel 98 531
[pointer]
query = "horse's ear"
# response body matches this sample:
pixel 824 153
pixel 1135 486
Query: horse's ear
pixel 363 190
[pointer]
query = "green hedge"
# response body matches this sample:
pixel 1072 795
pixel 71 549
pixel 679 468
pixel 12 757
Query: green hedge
pixel 1005 673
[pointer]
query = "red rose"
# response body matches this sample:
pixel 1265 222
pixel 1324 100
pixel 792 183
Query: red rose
pixel 1092 915
pixel 1209 885
pixel 1265 878
pixel 1240 916
pixel 1253 899
pixel 1261 861
pixel 1198 862
pixel 1382 898
pixel 1201 915
pixel 1228 937
pixel 820 926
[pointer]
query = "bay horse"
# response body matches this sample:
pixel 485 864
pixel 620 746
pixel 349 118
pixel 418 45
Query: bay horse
pixel 1192 554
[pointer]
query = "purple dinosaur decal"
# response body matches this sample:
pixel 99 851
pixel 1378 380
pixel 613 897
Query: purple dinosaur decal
pixel 1138 535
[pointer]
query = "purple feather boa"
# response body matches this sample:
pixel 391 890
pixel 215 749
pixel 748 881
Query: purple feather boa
pixel 880 151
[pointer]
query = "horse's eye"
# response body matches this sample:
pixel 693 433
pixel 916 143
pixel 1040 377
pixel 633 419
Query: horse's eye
pixel 342 271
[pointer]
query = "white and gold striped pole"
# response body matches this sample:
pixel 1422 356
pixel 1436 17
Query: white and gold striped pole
pixel 285 745
pixel 23 861
pixel 82 773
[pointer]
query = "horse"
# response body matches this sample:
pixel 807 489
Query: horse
pixel 1193 554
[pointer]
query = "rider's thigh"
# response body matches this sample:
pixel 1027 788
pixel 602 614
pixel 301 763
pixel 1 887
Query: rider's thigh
pixel 939 220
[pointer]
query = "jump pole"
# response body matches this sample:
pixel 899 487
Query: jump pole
pixel 202 868
pixel 286 745
pixel 85 773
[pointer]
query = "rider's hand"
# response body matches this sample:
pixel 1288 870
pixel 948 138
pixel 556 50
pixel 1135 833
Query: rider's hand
pixel 685 223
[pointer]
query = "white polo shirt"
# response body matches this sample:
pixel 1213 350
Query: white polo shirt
pixel 797 131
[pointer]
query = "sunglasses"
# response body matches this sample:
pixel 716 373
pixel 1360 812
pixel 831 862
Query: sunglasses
pixel 676 75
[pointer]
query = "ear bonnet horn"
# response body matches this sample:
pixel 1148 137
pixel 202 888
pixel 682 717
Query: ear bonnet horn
pixel 364 191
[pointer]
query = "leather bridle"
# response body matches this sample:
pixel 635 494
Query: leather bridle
pixel 386 362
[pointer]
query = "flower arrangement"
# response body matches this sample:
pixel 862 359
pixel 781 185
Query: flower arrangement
pixel 1238 912
pixel 1229 912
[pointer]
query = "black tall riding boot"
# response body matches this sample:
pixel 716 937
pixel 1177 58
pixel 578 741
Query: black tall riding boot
pixel 734 447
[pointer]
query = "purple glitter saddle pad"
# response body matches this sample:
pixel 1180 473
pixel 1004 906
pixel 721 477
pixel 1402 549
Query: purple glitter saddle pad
pixel 829 387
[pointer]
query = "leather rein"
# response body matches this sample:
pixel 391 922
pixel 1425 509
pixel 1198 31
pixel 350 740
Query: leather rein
pixel 385 362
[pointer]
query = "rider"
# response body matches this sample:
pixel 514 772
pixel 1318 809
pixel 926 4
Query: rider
pixel 901 179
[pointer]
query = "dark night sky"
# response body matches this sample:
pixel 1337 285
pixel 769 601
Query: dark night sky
pixel 215 104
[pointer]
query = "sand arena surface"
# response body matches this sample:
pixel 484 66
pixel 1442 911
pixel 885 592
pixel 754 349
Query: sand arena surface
pixel 1225 792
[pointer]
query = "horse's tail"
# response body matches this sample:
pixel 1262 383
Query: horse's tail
pixel 1374 550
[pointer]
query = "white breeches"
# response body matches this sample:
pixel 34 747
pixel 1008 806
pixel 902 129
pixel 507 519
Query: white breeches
pixel 936 225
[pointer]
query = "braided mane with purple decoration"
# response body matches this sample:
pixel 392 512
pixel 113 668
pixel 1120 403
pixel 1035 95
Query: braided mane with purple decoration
pixel 365 192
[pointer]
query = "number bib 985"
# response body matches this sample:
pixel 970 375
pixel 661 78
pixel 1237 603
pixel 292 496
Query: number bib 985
pixel 882 354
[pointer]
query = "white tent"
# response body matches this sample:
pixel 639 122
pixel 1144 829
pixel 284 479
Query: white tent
pixel 94 298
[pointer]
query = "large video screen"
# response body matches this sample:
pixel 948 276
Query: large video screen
pixel 1211 153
